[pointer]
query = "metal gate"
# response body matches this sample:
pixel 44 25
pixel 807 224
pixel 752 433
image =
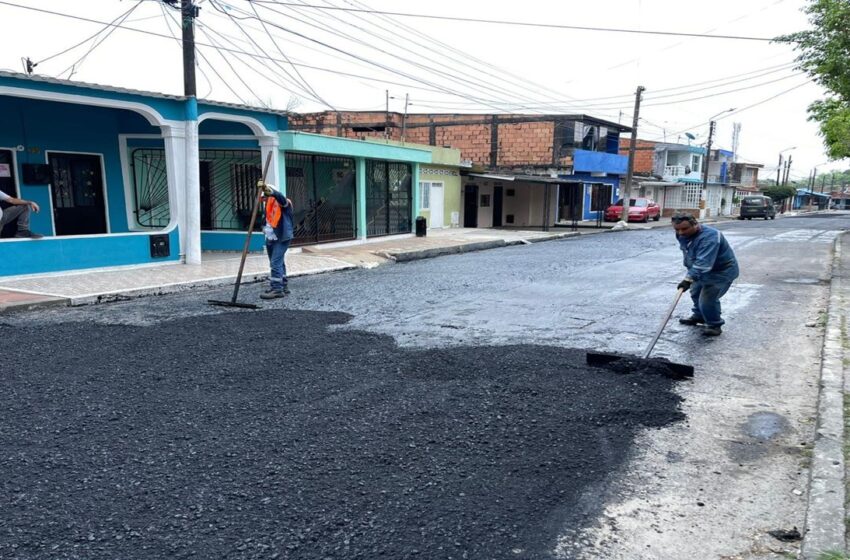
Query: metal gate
pixel 323 194
pixel 388 198
pixel 228 180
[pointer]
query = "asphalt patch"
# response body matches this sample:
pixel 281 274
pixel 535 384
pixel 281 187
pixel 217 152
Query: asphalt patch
pixel 270 435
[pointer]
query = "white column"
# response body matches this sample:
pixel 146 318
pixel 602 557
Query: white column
pixel 192 195
pixel 174 138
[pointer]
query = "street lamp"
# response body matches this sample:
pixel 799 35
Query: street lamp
pixel 711 125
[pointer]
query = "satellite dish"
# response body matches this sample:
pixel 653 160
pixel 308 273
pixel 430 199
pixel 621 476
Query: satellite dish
pixel 690 136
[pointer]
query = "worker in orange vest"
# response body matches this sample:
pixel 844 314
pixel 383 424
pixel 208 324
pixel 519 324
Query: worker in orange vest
pixel 277 228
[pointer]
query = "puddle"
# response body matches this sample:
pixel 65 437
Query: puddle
pixel 764 425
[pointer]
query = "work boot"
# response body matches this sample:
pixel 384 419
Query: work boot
pixel 692 320
pixel 712 331
pixel 27 234
pixel 272 294
pixel 286 290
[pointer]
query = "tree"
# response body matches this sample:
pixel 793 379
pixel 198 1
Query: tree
pixel 824 54
pixel 779 193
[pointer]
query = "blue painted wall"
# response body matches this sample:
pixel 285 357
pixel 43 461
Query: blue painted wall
pixel 42 126
pixel 56 254
pixel 600 162
pixel 587 214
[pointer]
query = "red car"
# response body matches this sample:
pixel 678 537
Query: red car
pixel 640 210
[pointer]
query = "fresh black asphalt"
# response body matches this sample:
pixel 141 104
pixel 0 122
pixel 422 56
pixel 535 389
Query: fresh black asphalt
pixel 273 434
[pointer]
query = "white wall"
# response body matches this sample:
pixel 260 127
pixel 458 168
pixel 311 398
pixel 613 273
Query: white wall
pixel 485 215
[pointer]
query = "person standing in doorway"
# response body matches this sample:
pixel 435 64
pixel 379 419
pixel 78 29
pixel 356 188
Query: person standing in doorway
pixel 19 212
pixel 278 231
pixel 712 267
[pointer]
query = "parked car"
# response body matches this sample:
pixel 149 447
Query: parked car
pixel 757 207
pixel 640 210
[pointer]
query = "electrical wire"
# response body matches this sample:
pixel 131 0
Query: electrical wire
pixel 89 38
pixel 168 16
pixel 520 23
pixel 460 80
pixel 74 66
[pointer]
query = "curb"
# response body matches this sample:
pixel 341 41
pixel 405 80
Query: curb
pixel 39 302
pixel 417 254
pixel 825 529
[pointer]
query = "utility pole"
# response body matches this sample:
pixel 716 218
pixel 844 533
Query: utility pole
pixel 404 116
pixel 711 126
pixel 626 192
pixel 778 167
pixel 387 117
pixel 787 171
pixel 188 12
pixel 814 177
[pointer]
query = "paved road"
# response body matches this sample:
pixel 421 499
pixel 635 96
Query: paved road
pixel 640 483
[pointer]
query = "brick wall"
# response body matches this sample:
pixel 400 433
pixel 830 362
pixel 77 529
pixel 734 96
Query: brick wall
pixel 527 143
pixel 644 158
pixel 519 144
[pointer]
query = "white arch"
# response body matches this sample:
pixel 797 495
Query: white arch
pixel 256 126
pixel 149 113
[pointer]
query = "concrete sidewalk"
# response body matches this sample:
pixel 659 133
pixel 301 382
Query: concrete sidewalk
pixel 103 285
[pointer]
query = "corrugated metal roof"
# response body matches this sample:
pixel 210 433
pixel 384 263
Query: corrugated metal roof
pixel 115 89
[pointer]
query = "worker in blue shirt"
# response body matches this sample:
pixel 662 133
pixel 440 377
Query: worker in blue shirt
pixel 278 231
pixel 712 267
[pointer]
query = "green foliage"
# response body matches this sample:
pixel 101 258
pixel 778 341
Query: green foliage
pixel 825 56
pixel 778 193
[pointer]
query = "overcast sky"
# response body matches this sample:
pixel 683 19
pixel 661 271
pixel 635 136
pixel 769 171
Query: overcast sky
pixel 313 59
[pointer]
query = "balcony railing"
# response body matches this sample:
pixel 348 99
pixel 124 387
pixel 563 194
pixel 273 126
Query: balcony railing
pixel 674 170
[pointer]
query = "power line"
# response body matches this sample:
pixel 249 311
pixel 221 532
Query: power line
pixel 519 23
pixel 462 80
pixel 73 67
pixel 87 39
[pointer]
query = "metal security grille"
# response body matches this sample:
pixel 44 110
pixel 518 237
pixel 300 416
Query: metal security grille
pixel 228 184
pixel 228 187
pixel 323 194
pixel 150 186
pixel 388 198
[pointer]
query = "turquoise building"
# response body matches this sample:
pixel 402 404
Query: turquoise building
pixel 131 178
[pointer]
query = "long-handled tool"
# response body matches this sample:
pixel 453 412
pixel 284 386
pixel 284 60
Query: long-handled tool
pixel 676 370
pixel 233 302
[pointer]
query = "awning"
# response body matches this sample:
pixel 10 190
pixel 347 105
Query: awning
pixel 528 178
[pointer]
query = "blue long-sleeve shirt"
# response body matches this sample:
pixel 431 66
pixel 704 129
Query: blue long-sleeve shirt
pixel 706 252
pixel 283 231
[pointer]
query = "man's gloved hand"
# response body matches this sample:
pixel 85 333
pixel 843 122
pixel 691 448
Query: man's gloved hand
pixel 685 284
pixel 267 188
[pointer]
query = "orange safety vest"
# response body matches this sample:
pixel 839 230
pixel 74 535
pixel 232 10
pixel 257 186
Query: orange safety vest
pixel 273 211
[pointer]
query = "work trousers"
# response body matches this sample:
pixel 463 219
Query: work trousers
pixel 277 253
pixel 706 294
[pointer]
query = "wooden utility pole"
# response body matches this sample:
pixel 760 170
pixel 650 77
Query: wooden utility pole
pixel 626 191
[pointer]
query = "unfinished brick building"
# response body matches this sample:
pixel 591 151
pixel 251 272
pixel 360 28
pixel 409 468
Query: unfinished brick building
pixel 561 167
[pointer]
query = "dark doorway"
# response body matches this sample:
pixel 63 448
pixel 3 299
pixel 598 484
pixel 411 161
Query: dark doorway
pixel 7 185
pixel 470 206
pixel 206 196
pixel 497 206
pixel 77 189
pixel 570 199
